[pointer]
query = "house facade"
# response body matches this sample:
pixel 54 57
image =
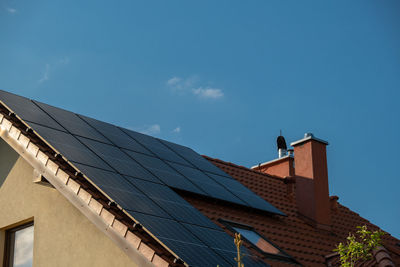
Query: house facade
pixel 75 191
pixel 62 235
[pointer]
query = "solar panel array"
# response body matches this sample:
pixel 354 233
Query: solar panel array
pixel 138 171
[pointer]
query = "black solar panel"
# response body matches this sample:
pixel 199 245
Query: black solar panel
pixel 28 110
pixel 154 169
pixel 166 228
pixel 119 160
pixel 245 194
pixel 207 184
pixel 122 191
pixel 71 122
pixel 69 146
pixel 191 173
pixel 101 177
pixel 194 158
pixel 155 146
pixel 179 239
pixel 135 201
pixel 196 255
pixel 165 173
pixel 223 245
pixel 253 261
pixel 216 239
pixel 247 259
pixel 116 135
pixel 173 204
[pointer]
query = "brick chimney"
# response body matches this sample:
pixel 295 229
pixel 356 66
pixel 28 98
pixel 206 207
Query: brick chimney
pixel 311 172
pixel 283 165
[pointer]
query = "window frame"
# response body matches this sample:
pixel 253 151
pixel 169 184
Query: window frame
pixel 282 256
pixel 9 242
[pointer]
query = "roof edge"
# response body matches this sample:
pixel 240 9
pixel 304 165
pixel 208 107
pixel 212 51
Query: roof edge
pixel 71 189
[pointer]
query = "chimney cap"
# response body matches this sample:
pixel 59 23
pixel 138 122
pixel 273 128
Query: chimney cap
pixel 281 142
pixel 308 136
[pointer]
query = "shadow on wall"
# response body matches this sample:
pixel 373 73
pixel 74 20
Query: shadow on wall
pixel 8 157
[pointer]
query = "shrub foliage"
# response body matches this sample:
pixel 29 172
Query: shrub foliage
pixel 359 248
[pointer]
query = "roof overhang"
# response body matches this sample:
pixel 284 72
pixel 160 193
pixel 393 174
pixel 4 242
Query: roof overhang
pixel 137 242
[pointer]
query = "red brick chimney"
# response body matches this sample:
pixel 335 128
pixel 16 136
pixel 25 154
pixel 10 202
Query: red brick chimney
pixel 312 190
pixel 280 167
pixel 283 165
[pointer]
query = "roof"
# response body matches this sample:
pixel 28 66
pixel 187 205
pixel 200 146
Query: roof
pixel 130 180
pixel 307 244
pixel 146 193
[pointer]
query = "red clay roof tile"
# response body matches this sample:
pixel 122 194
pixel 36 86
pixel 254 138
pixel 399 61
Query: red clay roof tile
pixel 308 245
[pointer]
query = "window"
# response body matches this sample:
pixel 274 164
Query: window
pixel 259 242
pixel 19 246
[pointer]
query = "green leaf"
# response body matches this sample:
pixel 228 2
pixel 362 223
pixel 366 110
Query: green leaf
pixel 357 249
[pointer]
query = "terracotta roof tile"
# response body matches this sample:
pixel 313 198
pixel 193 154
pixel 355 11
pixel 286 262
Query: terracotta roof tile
pixel 308 245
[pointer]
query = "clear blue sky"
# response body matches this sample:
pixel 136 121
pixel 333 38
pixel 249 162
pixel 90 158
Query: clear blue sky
pixel 224 76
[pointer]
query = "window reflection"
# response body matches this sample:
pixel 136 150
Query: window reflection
pixel 257 240
pixel 20 246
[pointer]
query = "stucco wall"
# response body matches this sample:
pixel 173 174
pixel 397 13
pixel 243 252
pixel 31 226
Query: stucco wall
pixel 62 235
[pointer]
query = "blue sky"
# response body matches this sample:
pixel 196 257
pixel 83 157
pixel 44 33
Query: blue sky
pixel 223 77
